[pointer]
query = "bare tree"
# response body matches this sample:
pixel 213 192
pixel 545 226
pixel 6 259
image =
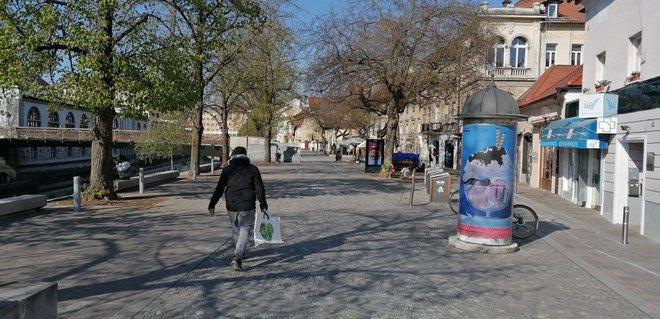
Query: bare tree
pixel 100 55
pixel 271 76
pixel 339 116
pixel 386 56
pixel 207 31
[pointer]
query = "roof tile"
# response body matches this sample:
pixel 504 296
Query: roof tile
pixel 546 85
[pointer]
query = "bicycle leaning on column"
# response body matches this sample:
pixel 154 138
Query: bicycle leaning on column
pixel 524 221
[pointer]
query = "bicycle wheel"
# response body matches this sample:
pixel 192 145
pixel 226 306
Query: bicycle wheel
pixel 524 221
pixel 454 201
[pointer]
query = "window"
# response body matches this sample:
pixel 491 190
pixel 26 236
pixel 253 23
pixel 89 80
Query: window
pixel 53 120
pixel 138 126
pixel 33 117
pixel 600 66
pixel 497 58
pixel 635 54
pixel 69 121
pixel 84 121
pixel 550 54
pixel 576 54
pixel 552 10
pixel 518 52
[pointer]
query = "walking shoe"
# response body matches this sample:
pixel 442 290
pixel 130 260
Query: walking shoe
pixel 236 263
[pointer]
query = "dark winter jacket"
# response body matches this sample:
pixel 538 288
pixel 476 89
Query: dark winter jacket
pixel 241 183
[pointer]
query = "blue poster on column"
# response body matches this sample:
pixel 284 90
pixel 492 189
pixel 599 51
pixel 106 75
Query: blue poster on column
pixel 488 160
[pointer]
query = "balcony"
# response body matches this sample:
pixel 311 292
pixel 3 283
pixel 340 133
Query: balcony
pixel 511 73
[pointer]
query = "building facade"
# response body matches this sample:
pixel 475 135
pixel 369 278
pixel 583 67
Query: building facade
pixel 622 57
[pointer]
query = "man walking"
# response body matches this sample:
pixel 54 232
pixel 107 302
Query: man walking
pixel 242 185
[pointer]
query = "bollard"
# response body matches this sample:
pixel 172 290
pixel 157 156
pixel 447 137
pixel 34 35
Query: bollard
pixel 76 193
pixel 141 180
pixel 212 166
pixel 624 230
pixel 412 188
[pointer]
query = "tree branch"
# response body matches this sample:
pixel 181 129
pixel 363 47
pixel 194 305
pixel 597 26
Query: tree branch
pixel 56 46
pixel 143 19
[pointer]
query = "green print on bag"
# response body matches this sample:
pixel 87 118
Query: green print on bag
pixel 266 231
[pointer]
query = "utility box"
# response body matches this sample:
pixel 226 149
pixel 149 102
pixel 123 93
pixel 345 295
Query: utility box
pixel 428 175
pixel 633 182
pixel 440 188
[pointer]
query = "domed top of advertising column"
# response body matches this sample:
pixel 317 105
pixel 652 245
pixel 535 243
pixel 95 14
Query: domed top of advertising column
pixel 491 103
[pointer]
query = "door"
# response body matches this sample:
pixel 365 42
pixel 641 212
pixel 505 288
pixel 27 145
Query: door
pixel 545 180
pixel 449 154
pixel 635 181
pixel 583 174
pixel 527 158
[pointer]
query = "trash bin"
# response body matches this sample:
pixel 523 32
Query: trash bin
pixel 440 188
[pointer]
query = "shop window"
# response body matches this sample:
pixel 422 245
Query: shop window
pixel 53 120
pixel 572 109
pixel 33 117
pixel 635 55
pixel 600 66
pixel 550 54
pixel 576 54
pixel 69 121
pixel 552 10
pixel 496 57
pixel 518 52
pixel 84 121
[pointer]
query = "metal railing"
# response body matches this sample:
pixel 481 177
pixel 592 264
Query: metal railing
pixel 77 134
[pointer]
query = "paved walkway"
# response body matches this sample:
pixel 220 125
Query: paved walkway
pixel 353 248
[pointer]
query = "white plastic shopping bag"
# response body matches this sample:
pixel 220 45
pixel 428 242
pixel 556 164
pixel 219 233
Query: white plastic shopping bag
pixel 266 229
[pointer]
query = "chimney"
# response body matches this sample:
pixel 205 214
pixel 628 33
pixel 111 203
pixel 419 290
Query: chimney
pixel 505 3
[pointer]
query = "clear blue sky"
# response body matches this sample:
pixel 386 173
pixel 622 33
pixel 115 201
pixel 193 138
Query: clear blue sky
pixel 308 9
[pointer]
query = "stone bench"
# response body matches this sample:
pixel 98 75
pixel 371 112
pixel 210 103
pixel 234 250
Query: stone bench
pixel 28 301
pixel 23 203
pixel 123 184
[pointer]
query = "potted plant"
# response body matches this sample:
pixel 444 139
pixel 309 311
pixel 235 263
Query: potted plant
pixel 600 85
pixel 634 76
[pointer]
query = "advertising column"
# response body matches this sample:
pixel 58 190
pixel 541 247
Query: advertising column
pixel 487 183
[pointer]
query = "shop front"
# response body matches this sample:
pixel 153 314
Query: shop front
pixel 578 148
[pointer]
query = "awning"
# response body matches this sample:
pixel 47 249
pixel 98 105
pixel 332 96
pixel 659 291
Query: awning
pixel 573 133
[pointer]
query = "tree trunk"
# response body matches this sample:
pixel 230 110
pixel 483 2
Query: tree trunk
pixel 198 128
pixel 269 138
pixel 390 136
pixel 225 137
pixel 101 173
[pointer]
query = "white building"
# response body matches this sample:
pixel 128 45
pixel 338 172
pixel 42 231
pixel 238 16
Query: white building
pixel 622 52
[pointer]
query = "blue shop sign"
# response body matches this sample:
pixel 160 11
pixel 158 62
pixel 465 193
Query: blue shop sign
pixel 573 133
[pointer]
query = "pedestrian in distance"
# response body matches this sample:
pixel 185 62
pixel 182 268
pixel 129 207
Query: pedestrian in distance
pixel 242 185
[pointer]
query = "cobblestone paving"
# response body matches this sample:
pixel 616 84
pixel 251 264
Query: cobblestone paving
pixel 355 249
